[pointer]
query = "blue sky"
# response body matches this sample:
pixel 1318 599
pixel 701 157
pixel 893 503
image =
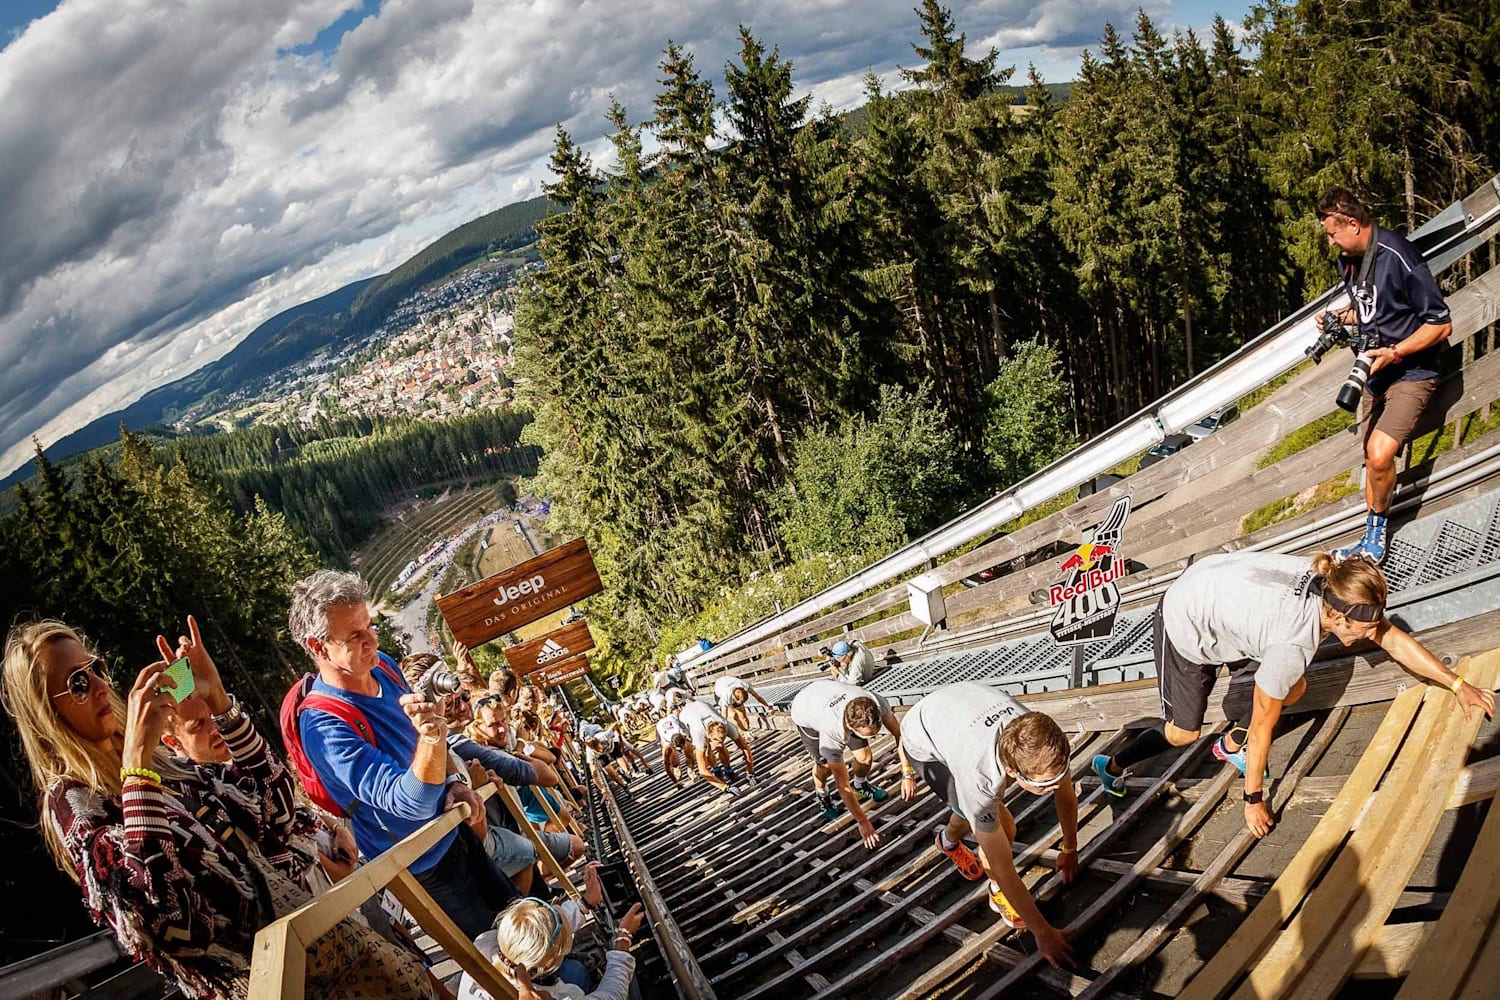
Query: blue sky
pixel 178 171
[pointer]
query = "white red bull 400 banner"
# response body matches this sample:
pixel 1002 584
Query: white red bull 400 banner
pixel 1087 600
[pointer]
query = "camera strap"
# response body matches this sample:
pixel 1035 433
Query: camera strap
pixel 1363 287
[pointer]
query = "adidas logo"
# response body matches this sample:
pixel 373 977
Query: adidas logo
pixel 552 651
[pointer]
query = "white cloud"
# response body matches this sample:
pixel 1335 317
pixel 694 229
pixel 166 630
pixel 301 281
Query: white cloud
pixel 174 174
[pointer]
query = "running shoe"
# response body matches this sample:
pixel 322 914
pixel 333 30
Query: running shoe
pixel 965 860
pixel 1235 757
pixel 874 793
pixel 1002 906
pixel 1114 784
pixel 1372 544
pixel 830 809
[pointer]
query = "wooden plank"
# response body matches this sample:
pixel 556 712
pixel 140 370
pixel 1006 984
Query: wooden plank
pixel 954 963
pixel 1322 943
pixel 1281 793
pixel 435 921
pixel 548 862
pixel 1394 952
pixel 1486 971
pixel 1475 783
pixel 1441 968
pixel 278 965
pixel 1253 934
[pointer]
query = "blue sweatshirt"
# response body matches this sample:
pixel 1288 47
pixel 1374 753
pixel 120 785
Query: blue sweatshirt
pixel 374 785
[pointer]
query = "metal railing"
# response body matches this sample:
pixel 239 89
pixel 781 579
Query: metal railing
pixel 1456 231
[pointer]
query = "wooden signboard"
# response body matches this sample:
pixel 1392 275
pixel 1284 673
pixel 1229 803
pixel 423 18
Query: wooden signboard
pixel 570 671
pixel 550 649
pixel 520 595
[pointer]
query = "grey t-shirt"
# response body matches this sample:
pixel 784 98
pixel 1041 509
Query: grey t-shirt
pixel 820 708
pixel 725 687
pixel 957 726
pixel 1247 606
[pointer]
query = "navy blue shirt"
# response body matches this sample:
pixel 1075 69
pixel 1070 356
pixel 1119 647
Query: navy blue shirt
pixel 1402 296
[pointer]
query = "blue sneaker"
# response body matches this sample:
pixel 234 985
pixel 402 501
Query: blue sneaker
pixel 870 793
pixel 1235 757
pixel 1372 544
pixel 1113 784
pixel 831 808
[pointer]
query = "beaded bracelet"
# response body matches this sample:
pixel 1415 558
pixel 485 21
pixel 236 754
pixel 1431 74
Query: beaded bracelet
pixel 146 773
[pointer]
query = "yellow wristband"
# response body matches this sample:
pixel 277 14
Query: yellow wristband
pixel 127 773
pixel 1067 850
pixel 1458 682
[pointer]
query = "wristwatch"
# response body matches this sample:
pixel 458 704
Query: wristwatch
pixel 1254 798
pixel 231 715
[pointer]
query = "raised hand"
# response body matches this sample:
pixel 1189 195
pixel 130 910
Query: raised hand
pixel 207 683
pixel 149 707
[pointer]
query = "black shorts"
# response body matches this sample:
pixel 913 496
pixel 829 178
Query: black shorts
pixel 936 776
pixel 811 743
pixel 1185 685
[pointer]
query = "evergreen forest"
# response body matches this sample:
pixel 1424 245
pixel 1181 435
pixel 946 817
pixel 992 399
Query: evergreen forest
pixel 776 342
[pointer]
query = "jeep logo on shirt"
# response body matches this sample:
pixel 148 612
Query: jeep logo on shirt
pixel 994 717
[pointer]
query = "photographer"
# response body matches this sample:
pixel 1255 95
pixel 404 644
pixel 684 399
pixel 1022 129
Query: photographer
pixel 1397 305
pixel 393 785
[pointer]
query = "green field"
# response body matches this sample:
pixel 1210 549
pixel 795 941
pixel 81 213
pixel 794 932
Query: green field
pixel 405 537
pixel 507 547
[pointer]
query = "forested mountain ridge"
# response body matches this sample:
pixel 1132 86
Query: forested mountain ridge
pixel 294 334
pixel 792 342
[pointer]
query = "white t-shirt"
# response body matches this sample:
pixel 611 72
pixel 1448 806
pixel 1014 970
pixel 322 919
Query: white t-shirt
pixel 658 701
pixel 820 708
pixel 725 687
pixel 958 726
pixel 696 715
pixel 669 728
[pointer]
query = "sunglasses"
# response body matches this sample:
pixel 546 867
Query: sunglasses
pixel 80 683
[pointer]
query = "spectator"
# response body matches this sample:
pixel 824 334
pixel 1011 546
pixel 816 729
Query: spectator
pixel 511 851
pixel 531 939
pixel 851 662
pixel 503 683
pixel 393 786
pixel 152 868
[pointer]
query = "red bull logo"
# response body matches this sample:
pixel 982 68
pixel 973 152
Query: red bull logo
pixel 1087 555
pixel 1088 579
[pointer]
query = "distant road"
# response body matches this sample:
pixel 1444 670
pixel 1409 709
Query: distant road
pixel 413 617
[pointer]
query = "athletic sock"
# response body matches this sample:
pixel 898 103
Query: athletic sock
pixel 859 783
pixel 948 845
pixel 1143 746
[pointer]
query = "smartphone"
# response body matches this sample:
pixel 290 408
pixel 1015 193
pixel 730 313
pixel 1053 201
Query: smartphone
pixel 181 674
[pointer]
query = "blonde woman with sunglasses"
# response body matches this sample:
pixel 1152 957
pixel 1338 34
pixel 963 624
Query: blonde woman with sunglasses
pixel 183 890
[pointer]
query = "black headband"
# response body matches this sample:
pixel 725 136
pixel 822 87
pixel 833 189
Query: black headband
pixel 1367 613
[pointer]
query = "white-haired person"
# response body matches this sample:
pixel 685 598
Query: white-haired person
pixel 532 938
pixel 182 889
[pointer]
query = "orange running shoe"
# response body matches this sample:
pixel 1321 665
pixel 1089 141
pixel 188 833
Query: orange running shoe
pixel 963 859
pixel 1002 906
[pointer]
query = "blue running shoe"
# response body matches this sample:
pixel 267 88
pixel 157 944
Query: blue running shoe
pixel 1113 784
pixel 830 807
pixel 870 793
pixel 1372 544
pixel 1235 757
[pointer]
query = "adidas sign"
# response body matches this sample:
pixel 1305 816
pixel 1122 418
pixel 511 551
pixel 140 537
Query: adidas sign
pixel 552 651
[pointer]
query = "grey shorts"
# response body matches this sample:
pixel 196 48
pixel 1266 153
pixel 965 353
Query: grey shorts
pixel 813 744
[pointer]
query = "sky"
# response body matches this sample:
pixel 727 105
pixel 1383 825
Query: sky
pixel 177 172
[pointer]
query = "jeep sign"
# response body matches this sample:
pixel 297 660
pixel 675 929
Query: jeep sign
pixel 522 594
pixel 552 648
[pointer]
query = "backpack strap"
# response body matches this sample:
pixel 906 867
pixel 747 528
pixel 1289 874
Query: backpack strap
pixel 341 710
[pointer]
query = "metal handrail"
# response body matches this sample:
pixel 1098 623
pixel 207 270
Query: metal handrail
pixel 1446 238
pixel 692 984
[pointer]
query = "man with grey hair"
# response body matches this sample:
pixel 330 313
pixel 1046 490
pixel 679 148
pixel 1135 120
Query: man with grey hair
pixel 393 774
